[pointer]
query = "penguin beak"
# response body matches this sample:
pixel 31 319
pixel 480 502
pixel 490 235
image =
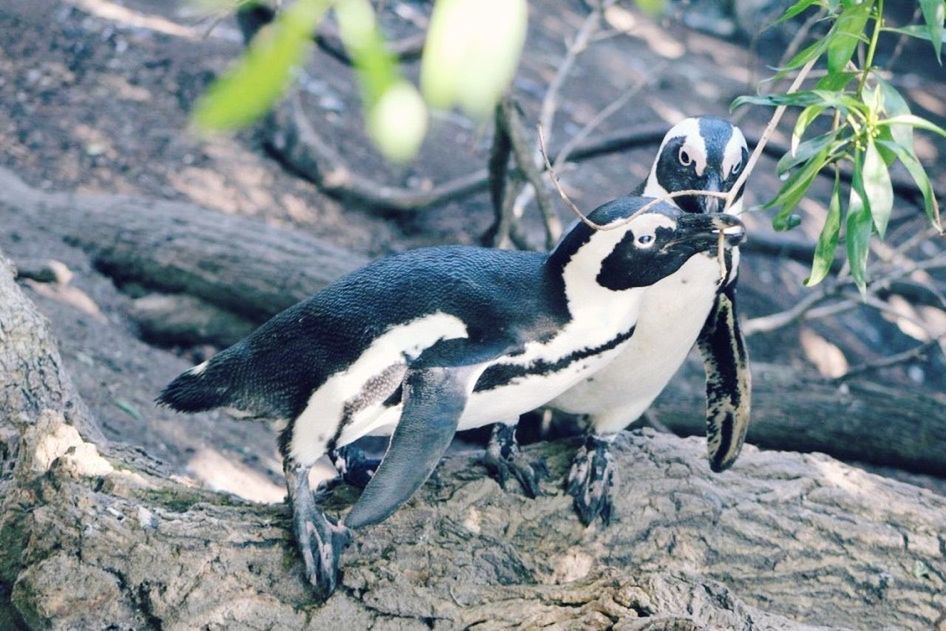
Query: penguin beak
pixel 709 204
pixel 702 231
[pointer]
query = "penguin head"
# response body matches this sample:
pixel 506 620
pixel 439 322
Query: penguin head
pixel 703 153
pixel 655 244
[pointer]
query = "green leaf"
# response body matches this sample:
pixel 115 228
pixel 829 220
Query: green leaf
pixel 794 189
pixel 914 121
pixel 835 81
pixel 828 240
pixel 397 122
pixel 859 227
pixel 796 9
pixel 807 150
pixel 915 169
pixel 877 186
pixel 805 118
pixel 895 105
pixel 250 88
pixel 919 31
pixel 375 66
pixel 847 32
pixel 934 12
pixel 812 51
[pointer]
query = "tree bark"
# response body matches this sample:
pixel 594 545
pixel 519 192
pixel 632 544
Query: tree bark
pixel 779 541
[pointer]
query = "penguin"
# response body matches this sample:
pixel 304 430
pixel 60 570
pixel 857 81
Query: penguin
pixel 435 340
pixel 692 305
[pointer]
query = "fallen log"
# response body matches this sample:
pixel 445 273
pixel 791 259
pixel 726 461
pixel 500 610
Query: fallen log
pixel 247 267
pixel 796 410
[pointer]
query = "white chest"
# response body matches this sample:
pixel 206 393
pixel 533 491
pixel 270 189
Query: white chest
pixel 672 314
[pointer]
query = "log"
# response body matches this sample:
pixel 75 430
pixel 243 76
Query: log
pixel 797 410
pixel 247 267
pixel 183 320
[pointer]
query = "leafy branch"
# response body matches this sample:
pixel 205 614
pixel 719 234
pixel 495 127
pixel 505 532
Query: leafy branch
pixel 871 127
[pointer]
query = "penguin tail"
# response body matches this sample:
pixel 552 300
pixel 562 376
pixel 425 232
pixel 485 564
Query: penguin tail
pixel 200 388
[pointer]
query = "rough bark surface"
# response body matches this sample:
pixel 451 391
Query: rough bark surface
pixel 780 541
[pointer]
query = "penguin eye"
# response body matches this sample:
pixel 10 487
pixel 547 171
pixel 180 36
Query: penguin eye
pixel 685 158
pixel 736 168
pixel 645 240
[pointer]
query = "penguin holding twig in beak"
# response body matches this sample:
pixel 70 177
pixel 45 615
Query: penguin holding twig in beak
pixel 439 339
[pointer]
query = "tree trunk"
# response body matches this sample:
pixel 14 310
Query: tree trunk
pixel 779 540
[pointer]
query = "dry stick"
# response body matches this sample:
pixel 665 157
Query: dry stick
pixel 526 160
pixel 769 130
pixel 790 50
pixel 916 352
pixel 604 114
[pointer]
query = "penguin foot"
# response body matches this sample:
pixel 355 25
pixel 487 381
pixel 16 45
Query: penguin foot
pixel 591 480
pixel 353 466
pixel 320 540
pixel 504 461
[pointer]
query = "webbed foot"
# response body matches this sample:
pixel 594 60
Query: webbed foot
pixel 319 539
pixel 353 466
pixel 505 461
pixel 591 480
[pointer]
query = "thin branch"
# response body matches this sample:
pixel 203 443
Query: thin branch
pixel 523 152
pixel 917 352
pixel 769 130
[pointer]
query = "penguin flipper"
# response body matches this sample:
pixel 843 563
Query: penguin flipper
pixel 434 399
pixel 728 381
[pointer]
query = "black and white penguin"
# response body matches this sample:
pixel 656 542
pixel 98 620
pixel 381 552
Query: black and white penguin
pixel 435 340
pixel 692 305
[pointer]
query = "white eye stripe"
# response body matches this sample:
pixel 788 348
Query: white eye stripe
pixel 732 154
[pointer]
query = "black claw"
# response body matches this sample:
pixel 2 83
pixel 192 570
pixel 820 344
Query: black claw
pixel 353 466
pixel 319 540
pixel 591 480
pixel 504 461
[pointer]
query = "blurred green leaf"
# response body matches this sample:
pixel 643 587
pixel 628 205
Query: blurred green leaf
pixel 848 30
pixel 397 122
pixel 918 173
pixel 919 31
pixel 828 240
pixel 804 98
pixel 934 13
pixel 794 189
pixel 376 67
pixel 877 186
pixel 652 8
pixel 255 82
pixel 472 52
pixel 859 227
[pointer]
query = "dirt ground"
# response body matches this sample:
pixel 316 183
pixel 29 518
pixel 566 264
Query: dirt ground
pixel 95 95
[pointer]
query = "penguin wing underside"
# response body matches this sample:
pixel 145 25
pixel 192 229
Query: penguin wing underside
pixel 434 399
pixel 728 381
